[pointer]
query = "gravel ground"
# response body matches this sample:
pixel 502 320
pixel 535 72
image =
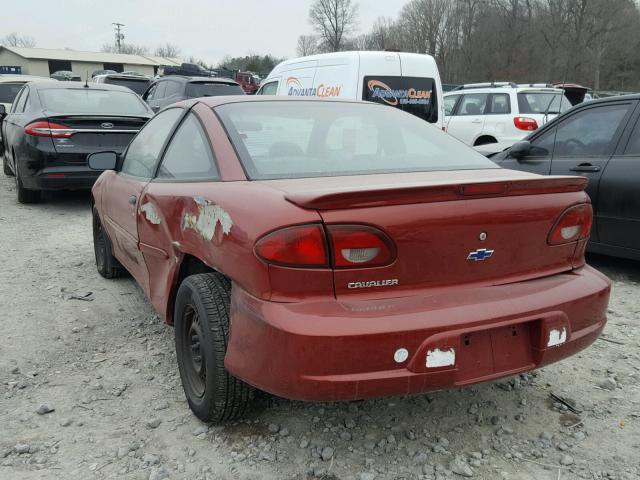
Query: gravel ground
pixel 90 389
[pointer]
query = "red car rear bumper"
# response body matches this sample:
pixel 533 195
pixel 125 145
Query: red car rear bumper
pixel 327 349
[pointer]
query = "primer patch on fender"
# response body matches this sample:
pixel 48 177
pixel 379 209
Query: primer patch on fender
pixel 557 337
pixel 441 358
pixel 209 215
pixel 150 213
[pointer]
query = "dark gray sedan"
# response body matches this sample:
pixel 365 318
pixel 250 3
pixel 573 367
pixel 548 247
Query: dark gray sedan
pixel 52 127
pixel 599 140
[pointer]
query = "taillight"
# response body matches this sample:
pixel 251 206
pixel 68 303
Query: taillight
pixel 360 246
pixel 306 246
pixel 300 246
pixel 574 224
pixel 525 123
pixel 43 128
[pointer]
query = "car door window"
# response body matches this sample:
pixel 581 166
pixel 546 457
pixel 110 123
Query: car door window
pixel 473 104
pixel 542 145
pixel 20 104
pixel 450 103
pixel 189 154
pixel 270 88
pixel 172 89
pixel 161 88
pixel 589 133
pixel 143 152
pixel 151 93
pixel 633 146
pixel 16 100
pixel 500 104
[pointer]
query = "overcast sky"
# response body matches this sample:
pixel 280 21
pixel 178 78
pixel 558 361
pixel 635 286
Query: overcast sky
pixel 206 29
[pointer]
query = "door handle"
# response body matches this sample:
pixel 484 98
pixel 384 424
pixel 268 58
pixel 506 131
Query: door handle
pixel 477 120
pixel 585 167
pixel 132 200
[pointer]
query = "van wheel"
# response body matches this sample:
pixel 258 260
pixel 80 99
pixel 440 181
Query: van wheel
pixel 25 195
pixel 106 264
pixel 201 321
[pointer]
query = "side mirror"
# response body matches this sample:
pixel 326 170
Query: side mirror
pixel 102 160
pixel 520 149
pixel 3 110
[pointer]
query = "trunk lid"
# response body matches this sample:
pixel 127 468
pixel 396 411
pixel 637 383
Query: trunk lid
pixel 450 229
pixel 94 133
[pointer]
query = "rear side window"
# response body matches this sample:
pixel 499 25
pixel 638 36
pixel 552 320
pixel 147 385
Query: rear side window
pixel 589 133
pixel 415 95
pixel 91 100
pixel 270 88
pixel 144 150
pixel 202 89
pixel 473 104
pixel 450 103
pixel 542 102
pixel 160 90
pixel 18 107
pixel 189 153
pixel 8 91
pixel 500 104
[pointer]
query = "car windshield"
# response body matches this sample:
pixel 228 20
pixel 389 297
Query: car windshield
pixel 91 100
pixel 138 85
pixel 8 91
pixel 213 89
pixel 543 102
pixel 284 139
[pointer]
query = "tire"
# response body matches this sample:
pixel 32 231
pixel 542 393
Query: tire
pixel 5 167
pixel 106 264
pixel 24 195
pixel 201 321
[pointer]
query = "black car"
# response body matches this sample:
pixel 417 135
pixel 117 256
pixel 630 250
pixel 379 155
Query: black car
pixel 174 88
pixel 599 140
pixel 52 127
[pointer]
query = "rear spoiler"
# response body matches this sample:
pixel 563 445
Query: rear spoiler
pixel 373 197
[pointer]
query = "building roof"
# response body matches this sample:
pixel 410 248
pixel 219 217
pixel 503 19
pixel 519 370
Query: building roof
pixel 96 57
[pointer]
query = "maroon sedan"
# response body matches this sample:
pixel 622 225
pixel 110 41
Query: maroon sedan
pixel 332 250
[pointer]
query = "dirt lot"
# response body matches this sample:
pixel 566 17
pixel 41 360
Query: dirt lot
pixel 106 369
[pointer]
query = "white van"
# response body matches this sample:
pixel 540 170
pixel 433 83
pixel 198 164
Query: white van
pixel 409 81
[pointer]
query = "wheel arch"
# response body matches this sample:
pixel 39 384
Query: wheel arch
pixel 189 265
pixel 485 140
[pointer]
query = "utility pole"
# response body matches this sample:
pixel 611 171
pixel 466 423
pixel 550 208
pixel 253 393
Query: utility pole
pixel 119 36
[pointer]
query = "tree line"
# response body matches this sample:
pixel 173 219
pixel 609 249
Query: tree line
pixel 592 42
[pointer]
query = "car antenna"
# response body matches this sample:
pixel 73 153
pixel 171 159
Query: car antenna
pixel 86 80
pixel 564 81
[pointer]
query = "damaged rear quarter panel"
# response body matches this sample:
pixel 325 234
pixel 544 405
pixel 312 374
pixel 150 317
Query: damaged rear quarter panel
pixel 216 222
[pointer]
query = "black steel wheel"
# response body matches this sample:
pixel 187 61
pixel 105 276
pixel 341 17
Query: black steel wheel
pixel 201 321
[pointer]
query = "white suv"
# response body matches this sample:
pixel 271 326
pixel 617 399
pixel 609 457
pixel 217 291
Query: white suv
pixel 493 116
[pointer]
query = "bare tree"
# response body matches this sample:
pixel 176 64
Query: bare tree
pixel 168 50
pixel 307 45
pixel 334 21
pixel 127 48
pixel 15 40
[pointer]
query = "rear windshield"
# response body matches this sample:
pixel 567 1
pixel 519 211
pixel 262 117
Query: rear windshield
pixel 280 139
pixel 138 85
pixel 542 102
pixel 90 100
pixel 201 89
pixel 8 91
pixel 416 95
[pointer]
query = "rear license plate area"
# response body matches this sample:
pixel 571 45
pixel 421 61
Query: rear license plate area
pixel 489 352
